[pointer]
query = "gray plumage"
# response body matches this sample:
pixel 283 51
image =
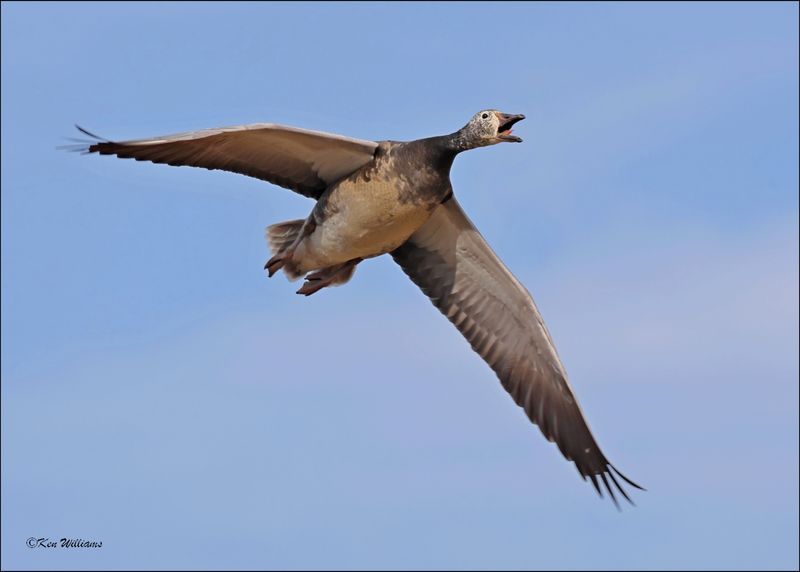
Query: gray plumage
pixel 394 197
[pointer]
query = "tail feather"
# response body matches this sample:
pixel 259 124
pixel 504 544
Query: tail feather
pixel 280 237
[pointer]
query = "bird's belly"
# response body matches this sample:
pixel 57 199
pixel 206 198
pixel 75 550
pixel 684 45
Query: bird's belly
pixel 361 223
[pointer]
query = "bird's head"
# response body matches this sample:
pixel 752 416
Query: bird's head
pixel 490 127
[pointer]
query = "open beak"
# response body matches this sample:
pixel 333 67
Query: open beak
pixel 504 129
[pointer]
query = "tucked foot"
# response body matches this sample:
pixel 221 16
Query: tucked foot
pixel 331 276
pixel 277 262
pixel 312 285
pixel 318 280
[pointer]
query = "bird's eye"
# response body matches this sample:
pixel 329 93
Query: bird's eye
pixel 485 116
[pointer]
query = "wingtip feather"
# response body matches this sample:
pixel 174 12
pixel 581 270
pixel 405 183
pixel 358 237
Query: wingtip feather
pixel 90 134
pixel 626 479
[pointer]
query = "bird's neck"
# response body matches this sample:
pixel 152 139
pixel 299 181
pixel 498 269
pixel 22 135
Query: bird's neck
pixel 436 152
pixel 442 150
pixel 455 142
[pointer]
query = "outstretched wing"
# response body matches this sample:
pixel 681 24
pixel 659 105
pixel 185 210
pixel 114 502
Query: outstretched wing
pixel 298 159
pixel 455 267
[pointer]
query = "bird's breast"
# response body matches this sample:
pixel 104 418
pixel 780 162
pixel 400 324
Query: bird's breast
pixel 360 218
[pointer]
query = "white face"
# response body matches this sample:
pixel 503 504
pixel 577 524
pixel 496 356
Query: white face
pixel 483 126
pixel 489 127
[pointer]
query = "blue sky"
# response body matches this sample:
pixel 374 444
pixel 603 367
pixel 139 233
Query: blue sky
pixel 160 394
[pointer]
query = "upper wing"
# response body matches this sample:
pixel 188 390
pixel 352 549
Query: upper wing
pixel 298 159
pixel 454 266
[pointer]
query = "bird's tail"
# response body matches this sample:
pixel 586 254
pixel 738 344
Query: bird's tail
pixel 280 238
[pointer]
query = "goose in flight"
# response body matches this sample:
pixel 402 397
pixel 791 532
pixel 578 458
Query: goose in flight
pixel 395 198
